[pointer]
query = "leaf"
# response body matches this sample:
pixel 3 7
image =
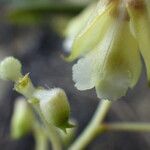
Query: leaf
pixel 39 11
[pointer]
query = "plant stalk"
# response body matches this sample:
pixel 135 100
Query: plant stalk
pixel 129 127
pixel 41 141
pixel 51 132
pixel 26 88
pixel 91 130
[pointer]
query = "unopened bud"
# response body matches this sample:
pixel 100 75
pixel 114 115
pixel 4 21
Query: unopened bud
pixel 10 69
pixel 54 107
pixel 22 119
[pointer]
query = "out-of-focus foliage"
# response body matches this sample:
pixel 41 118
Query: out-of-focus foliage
pixel 41 11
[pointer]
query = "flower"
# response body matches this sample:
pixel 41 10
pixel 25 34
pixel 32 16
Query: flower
pixel 110 42
pixel 54 107
pixel 10 69
pixel 24 86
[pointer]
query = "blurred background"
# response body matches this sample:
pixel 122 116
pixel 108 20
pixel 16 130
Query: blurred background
pixel 32 31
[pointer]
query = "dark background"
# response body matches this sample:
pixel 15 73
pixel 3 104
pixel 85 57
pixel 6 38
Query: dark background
pixel 39 49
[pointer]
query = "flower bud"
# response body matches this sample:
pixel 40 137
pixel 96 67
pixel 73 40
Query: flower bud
pixel 10 69
pixel 22 119
pixel 54 107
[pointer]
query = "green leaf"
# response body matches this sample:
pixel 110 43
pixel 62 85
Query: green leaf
pixel 33 12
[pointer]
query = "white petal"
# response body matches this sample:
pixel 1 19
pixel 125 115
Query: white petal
pixel 86 72
pixel 83 74
pixel 112 67
pixel 122 66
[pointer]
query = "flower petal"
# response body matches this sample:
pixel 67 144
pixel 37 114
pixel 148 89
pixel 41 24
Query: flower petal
pixel 94 30
pixel 110 67
pixel 148 7
pixel 83 74
pixel 76 25
pixel 141 23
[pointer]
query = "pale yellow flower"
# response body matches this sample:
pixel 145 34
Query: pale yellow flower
pixel 118 31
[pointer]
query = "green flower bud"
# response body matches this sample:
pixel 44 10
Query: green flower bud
pixel 54 107
pixel 10 69
pixel 22 119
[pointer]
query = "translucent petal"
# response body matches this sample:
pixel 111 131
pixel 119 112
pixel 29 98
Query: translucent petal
pixel 122 66
pixel 78 22
pixel 141 23
pixel 83 74
pixel 148 6
pixel 114 87
pixel 94 31
pixel 76 25
pixel 86 71
pixel 112 67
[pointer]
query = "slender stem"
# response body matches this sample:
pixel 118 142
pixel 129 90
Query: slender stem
pixel 132 127
pixel 51 132
pixel 25 87
pixel 90 132
pixel 41 141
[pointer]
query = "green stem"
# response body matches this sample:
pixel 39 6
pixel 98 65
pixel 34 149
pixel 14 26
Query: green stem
pixel 41 142
pixel 90 132
pixel 51 131
pixel 25 87
pixel 131 127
